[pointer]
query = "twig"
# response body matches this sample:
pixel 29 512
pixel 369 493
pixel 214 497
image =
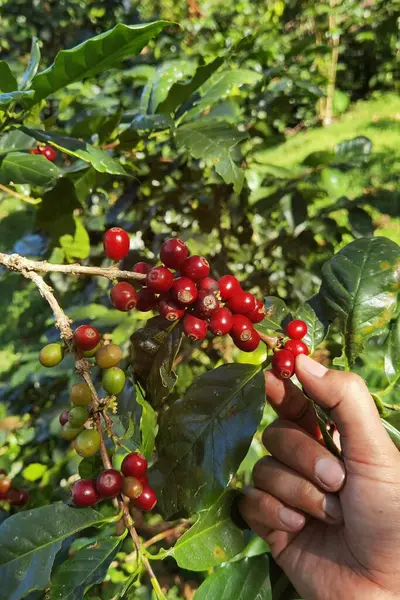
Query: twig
pixel 271 342
pixel 11 192
pixel 15 262
pixel 177 530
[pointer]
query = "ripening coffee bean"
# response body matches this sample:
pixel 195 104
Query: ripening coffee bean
pixel 109 483
pixel 170 310
pixel 69 433
pixel 123 296
pixel 296 347
pixel 132 487
pixel 77 416
pixel 184 291
pixel 91 353
pixel 17 497
pixel 173 252
pixel 51 355
pixel 250 344
pixel 63 418
pixel 242 328
pixel 143 268
pixel 80 394
pixel 49 153
pixel 159 280
pixel 207 304
pixel 195 268
pixel 134 465
pixel 147 500
pixel 116 243
pixel 283 364
pixel 84 493
pixel 242 303
pixel 228 287
pixel 87 443
pixel 208 284
pixel 221 322
pixel 86 337
pixel 257 315
pixel 146 300
pixel 296 329
pixel 113 381
pixel 5 485
pixel 194 328
pixel 108 356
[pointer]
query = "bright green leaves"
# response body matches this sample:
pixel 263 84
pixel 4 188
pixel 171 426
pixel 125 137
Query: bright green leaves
pixel 20 167
pixel 213 539
pixel 216 142
pixel 29 542
pixel 316 329
pixel 32 67
pixel 360 286
pixel 246 579
pixel 204 437
pixel 8 82
pixel 97 55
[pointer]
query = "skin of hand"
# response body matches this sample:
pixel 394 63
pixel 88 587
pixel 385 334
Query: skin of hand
pixel 332 526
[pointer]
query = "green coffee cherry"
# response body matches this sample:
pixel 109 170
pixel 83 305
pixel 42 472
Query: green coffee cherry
pixel 80 394
pixel 78 415
pixel 92 353
pixel 69 433
pixel 87 442
pixel 113 380
pixel 108 356
pixel 51 355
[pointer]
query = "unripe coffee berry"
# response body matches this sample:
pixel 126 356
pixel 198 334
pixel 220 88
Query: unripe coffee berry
pixel 147 500
pixel 80 394
pixel 257 315
pixel 108 356
pixel 208 284
pixel 87 443
pixel 173 252
pixel 17 497
pixel 69 433
pixel 242 328
pixel 86 337
pixel 77 416
pixel 109 483
pixel 207 304
pixel 132 487
pixel 49 153
pixel 242 303
pixel 296 329
pixel 228 287
pixel 84 493
pixel 146 300
pixel 123 296
pixel 116 243
pixel 184 291
pixel 63 418
pixel 51 355
pixel 296 347
pixel 5 485
pixel 283 364
pixel 134 465
pixel 170 310
pixel 159 280
pixel 195 267
pixel 194 328
pixel 221 322
pixel 250 344
pixel 113 381
pixel 91 353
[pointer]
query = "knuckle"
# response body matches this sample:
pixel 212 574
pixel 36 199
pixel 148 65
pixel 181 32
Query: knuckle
pixel 351 385
pixel 259 469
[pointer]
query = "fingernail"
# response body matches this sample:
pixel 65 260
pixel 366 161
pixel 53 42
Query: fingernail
pixel 332 507
pixel 311 366
pixel 330 473
pixel 292 520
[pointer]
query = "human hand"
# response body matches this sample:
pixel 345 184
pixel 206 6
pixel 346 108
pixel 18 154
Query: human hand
pixel 332 526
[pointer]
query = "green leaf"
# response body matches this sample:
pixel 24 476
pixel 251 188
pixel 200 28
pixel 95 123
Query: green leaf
pixel 20 167
pixel 275 312
pixel 316 330
pixel 246 579
pixel 8 82
pixel 354 152
pixel 392 352
pixel 32 67
pixel 360 286
pixel 204 437
pixel 96 55
pixel 15 140
pixel 7 99
pixel 393 430
pixel 360 222
pixel 154 349
pixel 84 568
pixel 148 427
pixel 167 74
pixel 77 246
pixel 62 222
pixel 34 472
pixel 212 540
pixel 181 92
pixel 216 142
pixel 335 183
pixel 29 542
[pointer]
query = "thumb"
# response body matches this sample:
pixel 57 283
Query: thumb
pixel 362 435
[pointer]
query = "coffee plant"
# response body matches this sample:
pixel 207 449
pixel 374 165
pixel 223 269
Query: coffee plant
pixel 154 371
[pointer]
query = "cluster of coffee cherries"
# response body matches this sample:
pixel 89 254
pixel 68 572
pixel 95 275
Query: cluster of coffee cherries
pixel 10 494
pixel 46 151
pixel 131 482
pixel 181 288
pixel 283 361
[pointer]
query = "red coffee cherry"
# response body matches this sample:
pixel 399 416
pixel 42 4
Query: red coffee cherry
pixel 109 483
pixel 49 153
pixel 124 296
pixel 142 267
pixel 257 315
pixel 132 487
pixel 283 364
pixel 208 284
pixel 134 465
pixel 173 252
pixel 86 337
pixel 195 329
pixel 159 280
pixel 228 287
pixel 242 328
pixel 250 344
pixel 17 497
pixel 147 500
pixel 296 329
pixel 116 243
pixel 146 300
pixel 242 303
pixel 184 291
pixel 84 493
pixel 195 267
pixel 207 304
pixel 221 322
pixel 34 151
pixel 5 485
pixel 170 310
pixel 296 347
pixel 63 418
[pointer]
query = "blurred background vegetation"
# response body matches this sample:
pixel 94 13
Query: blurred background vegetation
pixel 314 91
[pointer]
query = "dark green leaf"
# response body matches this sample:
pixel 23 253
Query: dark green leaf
pixel 355 151
pixel 360 286
pixel 148 427
pixel 20 167
pixel 246 579
pixel 97 55
pixel 62 222
pixel 14 141
pixel 275 313
pixel 213 539
pixel 392 352
pixel 149 123
pixel 294 208
pixel 84 568
pixel 360 222
pixel 204 437
pixel 32 67
pixel 8 82
pixel 29 542
pixel 316 159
